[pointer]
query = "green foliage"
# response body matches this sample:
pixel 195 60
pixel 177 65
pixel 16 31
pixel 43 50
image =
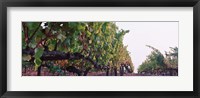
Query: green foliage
pixel 156 60
pixel 100 41
pixel 171 59
pixel 38 52
pixel 37 62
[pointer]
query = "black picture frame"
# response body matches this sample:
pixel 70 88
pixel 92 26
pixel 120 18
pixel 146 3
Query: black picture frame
pixel 100 3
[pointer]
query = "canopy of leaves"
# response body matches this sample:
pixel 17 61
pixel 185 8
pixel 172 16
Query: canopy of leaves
pixel 171 59
pixel 156 60
pixel 97 43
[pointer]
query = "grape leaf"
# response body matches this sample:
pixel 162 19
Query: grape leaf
pixel 38 52
pixel 37 62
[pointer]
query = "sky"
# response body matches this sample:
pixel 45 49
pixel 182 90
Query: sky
pixel 160 35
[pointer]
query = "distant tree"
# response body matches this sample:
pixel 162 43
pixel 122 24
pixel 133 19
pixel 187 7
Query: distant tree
pixel 154 61
pixel 171 59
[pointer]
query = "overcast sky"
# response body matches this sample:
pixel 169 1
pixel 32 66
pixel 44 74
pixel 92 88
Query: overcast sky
pixel 160 35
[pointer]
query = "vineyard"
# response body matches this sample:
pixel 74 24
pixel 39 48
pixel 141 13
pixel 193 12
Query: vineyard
pixel 157 64
pixel 74 49
pixel 86 49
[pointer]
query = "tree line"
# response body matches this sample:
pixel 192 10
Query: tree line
pixel 158 64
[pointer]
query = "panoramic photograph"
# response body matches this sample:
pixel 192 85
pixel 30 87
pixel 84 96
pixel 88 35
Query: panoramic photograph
pixel 129 48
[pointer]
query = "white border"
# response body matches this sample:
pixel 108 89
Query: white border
pixel 184 82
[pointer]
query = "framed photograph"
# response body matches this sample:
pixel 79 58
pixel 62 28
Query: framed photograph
pixel 85 48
